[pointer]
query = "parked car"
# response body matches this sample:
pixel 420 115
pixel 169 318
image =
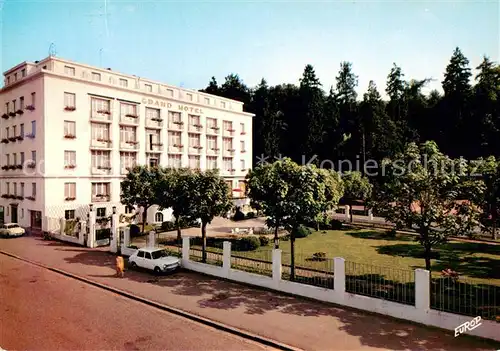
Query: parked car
pixel 11 230
pixel 155 259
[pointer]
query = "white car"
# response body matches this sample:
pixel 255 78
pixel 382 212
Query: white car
pixel 155 259
pixel 11 230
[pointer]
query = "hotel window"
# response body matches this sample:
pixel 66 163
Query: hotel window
pixel 149 88
pixel 21 102
pixel 69 158
pixel 222 104
pixel 6 107
pixel 170 92
pixel 100 131
pixel 174 161
pixel 14 186
pixel 7 160
pixel 100 190
pixel 14 130
pixel 194 161
pixel 33 128
pixel 8 80
pixel 15 77
pixel 101 159
pixel 33 189
pixel 211 142
pixel 194 140
pixel 21 130
pixel 152 113
pixel 7 187
pixel 70 71
pixel 21 190
pixel 96 76
pixel 242 165
pixel 228 126
pixel 101 212
pixel 242 146
pixel 174 117
pixel 123 83
pixel 69 215
pixel 127 160
pixel 228 163
pixel 21 155
pixel 70 192
pixel 70 128
pixel 128 109
pixel 153 162
pixel 33 156
pixel 69 100
pixel 14 105
pixel 127 134
pixel 33 98
pixel 100 105
pixel 174 138
pixel 7 132
pixel 189 97
pixel 194 120
pixel 242 128
pixel 23 72
pixel 211 162
pixel 228 144
pixel 14 159
pixel 211 123
pixel 207 101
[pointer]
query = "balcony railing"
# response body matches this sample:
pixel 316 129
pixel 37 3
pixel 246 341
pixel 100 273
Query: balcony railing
pixel 213 151
pixel 155 147
pixel 195 149
pixel 101 143
pixel 129 145
pixel 100 170
pixel 176 125
pixel 228 152
pixel 229 132
pixel 101 116
pixel 213 130
pixel 101 198
pixel 129 119
pixel 154 122
pixel 195 128
pixel 176 148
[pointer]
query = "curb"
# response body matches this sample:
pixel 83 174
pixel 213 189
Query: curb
pixel 216 325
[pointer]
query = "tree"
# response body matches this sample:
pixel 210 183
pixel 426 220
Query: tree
pixel 425 190
pixel 356 187
pixel 175 192
pixel 140 187
pixel 489 171
pixel 210 198
pixel 212 88
pixel 234 88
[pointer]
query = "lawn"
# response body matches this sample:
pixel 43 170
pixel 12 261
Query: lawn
pixel 372 252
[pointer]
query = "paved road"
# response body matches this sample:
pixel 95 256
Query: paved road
pixel 42 310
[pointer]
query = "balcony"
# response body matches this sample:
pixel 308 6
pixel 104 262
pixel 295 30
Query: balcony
pixel 154 123
pixel 101 198
pixel 101 143
pixel 213 130
pixel 129 145
pixel 195 149
pixel 155 147
pixel 195 128
pixel 228 152
pixel 101 116
pixel 129 119
pixel 231 171
pixel 213 151
pixel 228 132
pixel 100 170
pixel 176 148
pixel 176 125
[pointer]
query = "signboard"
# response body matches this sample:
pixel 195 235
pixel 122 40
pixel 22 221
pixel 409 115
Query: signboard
pixel 169 105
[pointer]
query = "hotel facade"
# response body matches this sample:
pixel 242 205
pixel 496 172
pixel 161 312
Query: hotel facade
pixel 69 132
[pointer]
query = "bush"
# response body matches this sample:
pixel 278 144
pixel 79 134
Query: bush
pixel 390 233
pixel 301 232
pixel 167 226
pixel 335 224
pixel 238 216
pixel 264 240
pixel 134 230
pixel 251 215
pixel 248 243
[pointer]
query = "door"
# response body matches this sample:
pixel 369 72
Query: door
pixel 148 262
pixel 36 221
pixel 2 215
pixel 140 259
pixel 13 213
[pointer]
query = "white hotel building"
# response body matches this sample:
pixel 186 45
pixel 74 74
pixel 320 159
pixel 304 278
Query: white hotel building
pixel 69 132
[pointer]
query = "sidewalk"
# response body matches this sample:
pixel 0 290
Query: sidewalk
pixel 293 321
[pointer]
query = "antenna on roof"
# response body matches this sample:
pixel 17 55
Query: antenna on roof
pixel 52 50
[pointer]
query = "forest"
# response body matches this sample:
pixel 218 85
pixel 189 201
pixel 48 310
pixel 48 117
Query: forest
pixel 336 124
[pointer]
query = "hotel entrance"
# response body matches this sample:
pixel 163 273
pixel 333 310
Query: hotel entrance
pixel 36 222
pixel 13 214
pixel 2 214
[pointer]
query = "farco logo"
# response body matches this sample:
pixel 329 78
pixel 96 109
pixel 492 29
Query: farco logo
pixel 467 326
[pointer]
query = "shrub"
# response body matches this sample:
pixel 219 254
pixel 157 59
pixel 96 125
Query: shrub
pixel 301 232
pixel 264 240
pixel 391 233
pixel 167 226
pixel 238 216
pixel 319 256
pixel 134 230
pixel 251 215
pixel 335 224
pixel 248 243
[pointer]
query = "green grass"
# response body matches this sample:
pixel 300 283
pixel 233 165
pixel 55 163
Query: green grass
pixel 371 249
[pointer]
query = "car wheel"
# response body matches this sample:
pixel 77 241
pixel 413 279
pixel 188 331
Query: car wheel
pixel 157 270
pixel 133 265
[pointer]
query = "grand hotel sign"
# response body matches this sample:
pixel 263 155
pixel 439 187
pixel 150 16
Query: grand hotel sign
pixel 169 105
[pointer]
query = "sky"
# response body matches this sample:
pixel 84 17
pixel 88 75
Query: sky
pixel 185 43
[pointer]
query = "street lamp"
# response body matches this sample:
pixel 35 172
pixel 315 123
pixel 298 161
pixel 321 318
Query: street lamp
pixel 114 209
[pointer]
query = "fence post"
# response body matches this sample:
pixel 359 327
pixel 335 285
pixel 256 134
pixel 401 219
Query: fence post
pixel 277 267
pixel 114 233
pixel 422 290
pixel 347 212
pixel 370 215
pixel 91 238
pixel 62 225
pixel 339 276
pixel 152 239
pixel 185 249
pixel 81 233
pixel 226 257
pixel 126 237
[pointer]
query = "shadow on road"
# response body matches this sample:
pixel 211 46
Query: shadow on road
pixel 371 330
